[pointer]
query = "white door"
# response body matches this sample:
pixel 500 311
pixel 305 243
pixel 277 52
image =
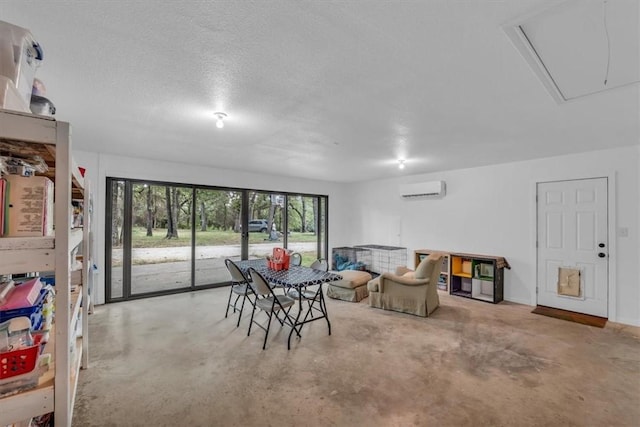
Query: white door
pixel 572 234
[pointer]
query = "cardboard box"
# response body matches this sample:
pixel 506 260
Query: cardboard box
pixel 30 206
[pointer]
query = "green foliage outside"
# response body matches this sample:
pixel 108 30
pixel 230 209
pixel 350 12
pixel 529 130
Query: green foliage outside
pixel 164 216
pixel 216 209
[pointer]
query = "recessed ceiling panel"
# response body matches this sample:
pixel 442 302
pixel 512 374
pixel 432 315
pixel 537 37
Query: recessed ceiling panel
pixel 587 46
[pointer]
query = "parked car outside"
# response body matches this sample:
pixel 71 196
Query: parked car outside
pixel 258 225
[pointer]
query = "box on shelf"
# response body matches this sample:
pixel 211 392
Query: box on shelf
pixel 21 170
pixel 18 295
pixel 18 305
pixel 20 57
pixel 30 211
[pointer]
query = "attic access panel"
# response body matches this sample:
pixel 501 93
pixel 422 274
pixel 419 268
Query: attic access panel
pixel 576 47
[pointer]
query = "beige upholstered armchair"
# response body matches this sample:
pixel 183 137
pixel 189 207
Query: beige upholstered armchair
pixel 414 292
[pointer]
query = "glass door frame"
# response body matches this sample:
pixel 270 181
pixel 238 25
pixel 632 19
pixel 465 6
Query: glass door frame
pixel 321 244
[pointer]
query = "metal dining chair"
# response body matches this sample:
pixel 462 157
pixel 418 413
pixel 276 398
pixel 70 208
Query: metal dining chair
pixel 295 259
pixel 272 304
pixel 320 264
pixel 312 295
pixel 240 286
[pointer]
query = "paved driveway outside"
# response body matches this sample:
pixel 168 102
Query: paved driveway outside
pixel 170 268
pixel 183 253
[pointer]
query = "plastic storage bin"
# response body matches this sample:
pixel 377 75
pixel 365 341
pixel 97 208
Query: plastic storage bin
pixel 10 98
pixel 20 361
pixel 21 369
pixel 20 56
pixel 277 266
pixel 34 312
pixel 280 259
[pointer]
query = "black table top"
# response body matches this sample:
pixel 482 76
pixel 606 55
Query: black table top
pixel 296 276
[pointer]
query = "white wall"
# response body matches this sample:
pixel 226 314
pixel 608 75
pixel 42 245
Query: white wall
pixel 489 210
pixel 101 166
pixel 492 210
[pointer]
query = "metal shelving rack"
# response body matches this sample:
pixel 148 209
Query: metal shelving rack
pixel 26 135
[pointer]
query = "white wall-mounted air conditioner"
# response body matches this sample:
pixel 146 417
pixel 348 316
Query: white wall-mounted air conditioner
pixel 423 189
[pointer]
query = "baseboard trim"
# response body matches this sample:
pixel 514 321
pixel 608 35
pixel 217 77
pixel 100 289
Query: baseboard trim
pixel 571 316
pixel 627 321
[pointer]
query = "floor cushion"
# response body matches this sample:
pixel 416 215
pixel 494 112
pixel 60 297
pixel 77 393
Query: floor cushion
pixel 352 287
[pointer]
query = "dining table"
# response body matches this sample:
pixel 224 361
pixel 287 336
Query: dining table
pixel 299 278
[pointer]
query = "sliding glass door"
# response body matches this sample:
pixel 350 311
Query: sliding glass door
pixel 166 238
pixel 302 214
pixel 115 237
pixel 217 233
pixel 265 223
pixel 160 236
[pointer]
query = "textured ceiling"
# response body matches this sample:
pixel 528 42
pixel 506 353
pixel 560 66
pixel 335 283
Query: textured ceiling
pixel 323 90
pixel 581 51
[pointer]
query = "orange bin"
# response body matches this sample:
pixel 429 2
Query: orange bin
pixel 280 259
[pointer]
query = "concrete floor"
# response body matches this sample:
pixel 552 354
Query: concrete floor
pixel 176 361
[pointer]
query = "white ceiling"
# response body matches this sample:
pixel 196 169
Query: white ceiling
pixel 587 46
pixel 317 89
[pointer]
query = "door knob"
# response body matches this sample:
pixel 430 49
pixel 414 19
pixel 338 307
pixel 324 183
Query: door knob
pixel 602 255
pixel 601 245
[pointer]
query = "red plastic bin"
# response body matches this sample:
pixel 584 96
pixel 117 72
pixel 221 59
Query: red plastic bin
pixel 281 256
pixel 277 266
pixel 21 361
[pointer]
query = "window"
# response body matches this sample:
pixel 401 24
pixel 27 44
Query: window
pixel 166 237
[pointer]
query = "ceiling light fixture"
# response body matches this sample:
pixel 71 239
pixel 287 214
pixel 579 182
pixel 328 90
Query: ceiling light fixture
pixel 220 116
pixel 401 164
